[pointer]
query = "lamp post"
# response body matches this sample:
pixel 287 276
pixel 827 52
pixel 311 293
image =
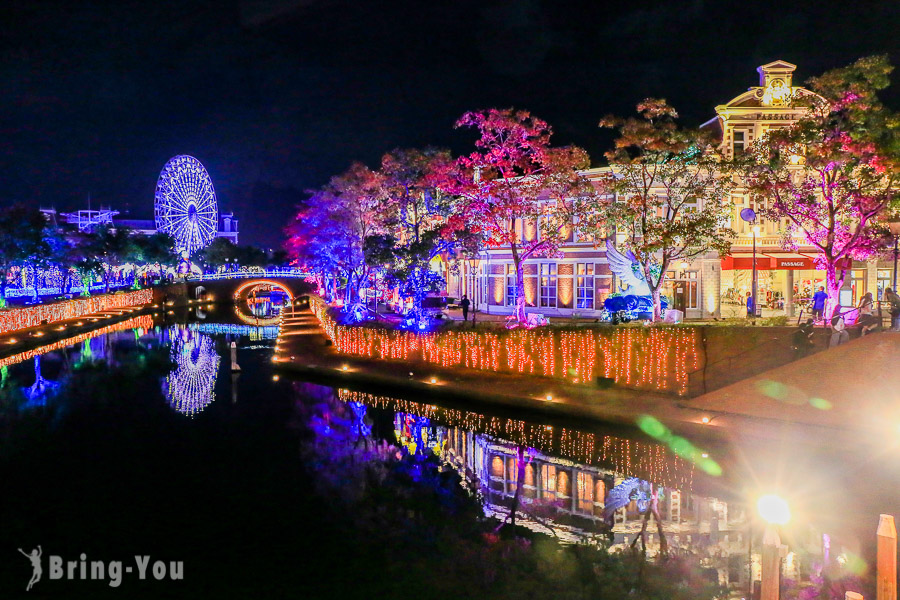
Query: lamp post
pixel 749 215
pixel 473 264
pixel 774 511
pixel 894 225
pixel 754 284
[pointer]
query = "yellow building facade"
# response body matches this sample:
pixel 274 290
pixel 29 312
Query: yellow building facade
pixel 709 286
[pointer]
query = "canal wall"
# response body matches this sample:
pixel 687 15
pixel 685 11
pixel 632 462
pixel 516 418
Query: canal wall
pixel 18 318
pixel 682 360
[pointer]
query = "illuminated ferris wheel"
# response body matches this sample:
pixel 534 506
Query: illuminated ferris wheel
pixel 185 204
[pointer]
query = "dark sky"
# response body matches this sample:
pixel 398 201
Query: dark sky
pixel 275 96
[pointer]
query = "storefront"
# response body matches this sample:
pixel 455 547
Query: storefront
pixel 786 283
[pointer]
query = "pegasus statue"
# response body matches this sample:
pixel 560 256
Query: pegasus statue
pixel 646 496
pixel 627 269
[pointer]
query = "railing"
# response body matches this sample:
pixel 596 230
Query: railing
pixel 267 274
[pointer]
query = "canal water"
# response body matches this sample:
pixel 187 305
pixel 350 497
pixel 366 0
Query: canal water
pixel 172 437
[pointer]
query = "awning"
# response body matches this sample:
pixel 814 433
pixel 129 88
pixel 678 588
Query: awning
pixel 777 261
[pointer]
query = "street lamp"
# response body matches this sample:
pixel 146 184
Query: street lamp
pixel 749 215
pixel 774 510
pixel 894 225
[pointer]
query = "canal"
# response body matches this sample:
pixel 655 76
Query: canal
pixel 173 438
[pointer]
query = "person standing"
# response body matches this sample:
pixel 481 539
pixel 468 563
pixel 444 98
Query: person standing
pixel 818 303
pixel 464 303
pixel 750 312
pixel 894 300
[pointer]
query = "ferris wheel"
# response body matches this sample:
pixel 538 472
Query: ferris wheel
pixel 185 204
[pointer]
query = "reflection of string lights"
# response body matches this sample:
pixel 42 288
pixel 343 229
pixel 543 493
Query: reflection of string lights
pixel 32 316
pixel 638 459
pixel 653 358
pixel 142 322
pixel 191 386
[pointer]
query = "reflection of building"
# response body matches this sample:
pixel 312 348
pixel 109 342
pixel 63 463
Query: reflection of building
pixel 579 280
pixel 191 386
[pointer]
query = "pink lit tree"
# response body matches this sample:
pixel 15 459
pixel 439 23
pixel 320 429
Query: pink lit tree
pixel 832 176
pixel 516 179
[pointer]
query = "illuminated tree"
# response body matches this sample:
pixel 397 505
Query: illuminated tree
pixel 516 180
pixel 22 242
pixel 669 202
pixel 329 233
pixel 832 176
pixel 415 214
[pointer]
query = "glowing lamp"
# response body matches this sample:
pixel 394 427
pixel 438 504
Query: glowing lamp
pixel 549 398
pixel 345 368
pixel 433 380
pixel 773 509
pixel 756 230
pixel 704 420
pixel 274 377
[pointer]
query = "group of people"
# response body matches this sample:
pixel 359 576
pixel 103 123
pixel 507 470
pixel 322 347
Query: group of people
pixel 867 318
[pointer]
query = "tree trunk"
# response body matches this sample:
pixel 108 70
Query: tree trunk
pixel 833 286
pixel 520 292
pixel 657 305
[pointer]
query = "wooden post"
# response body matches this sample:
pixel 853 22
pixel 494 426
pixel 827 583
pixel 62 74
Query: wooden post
pixel 771 564
pixel 886 577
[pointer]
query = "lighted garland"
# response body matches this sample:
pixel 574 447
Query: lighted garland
pixel 652 462
pixel 142 322
pixel 14 319
pixel 652 358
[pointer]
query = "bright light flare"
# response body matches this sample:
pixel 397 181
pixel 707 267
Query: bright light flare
pixel 773 509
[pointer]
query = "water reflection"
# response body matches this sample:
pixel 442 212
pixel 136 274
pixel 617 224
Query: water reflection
pixel 190 388
pixel 568 477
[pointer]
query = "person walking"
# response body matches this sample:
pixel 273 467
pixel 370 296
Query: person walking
pixel 464 303
pixel 818 303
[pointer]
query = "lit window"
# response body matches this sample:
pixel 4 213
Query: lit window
pixel 585 286
pixel 548 285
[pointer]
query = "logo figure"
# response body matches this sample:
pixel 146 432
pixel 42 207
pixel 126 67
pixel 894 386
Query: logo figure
pixel 35 558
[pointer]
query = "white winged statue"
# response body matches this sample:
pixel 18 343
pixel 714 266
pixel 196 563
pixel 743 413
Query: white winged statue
pixel 626 270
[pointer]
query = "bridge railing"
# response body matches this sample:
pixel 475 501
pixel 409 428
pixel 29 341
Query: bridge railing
pixel 267 274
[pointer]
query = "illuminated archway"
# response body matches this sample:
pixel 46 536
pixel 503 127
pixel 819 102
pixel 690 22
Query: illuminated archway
pixel 246 289
pixel 260 283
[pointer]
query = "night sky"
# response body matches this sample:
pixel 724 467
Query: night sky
pixel 276 96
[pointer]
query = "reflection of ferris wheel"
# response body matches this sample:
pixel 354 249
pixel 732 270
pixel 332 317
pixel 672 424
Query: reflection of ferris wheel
pixel 191 386
pixel 185 204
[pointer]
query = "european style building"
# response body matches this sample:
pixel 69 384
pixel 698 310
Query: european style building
pixel 577 283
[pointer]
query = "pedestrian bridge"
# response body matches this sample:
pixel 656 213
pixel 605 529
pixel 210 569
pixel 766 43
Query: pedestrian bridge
pixel 241 284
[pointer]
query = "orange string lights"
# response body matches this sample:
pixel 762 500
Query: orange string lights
pixel 15 319
pixel 649 461
pixel 142 322
pixel 652 358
